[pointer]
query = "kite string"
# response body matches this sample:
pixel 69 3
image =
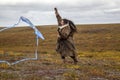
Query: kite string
pixel 10 26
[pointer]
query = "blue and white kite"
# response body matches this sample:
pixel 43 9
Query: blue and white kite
pixel 37 33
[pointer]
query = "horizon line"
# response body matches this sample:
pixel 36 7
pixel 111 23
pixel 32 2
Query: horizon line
pixel 75 24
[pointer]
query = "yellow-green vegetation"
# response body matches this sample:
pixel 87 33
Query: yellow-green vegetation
pixel 97 46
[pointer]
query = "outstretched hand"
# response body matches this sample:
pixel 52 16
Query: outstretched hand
pixel 55 9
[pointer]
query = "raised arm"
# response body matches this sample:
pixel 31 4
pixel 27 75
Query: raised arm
pixel 59 18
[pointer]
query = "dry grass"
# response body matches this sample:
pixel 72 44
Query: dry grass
pixel 98 48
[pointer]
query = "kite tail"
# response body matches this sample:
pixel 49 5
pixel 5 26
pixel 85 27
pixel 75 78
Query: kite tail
pixel 37 33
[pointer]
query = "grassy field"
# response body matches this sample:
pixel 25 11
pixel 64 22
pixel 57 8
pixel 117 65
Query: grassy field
pixel 98 53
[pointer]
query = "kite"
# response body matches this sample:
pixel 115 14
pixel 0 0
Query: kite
pixel 37 33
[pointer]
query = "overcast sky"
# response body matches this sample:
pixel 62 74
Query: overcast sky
pixel 41 12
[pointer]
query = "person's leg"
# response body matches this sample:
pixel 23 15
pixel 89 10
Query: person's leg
pixel 74 59
pixel 63 57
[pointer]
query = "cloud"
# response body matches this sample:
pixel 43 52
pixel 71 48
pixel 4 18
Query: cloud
pixel 113 11
pixel 41 12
